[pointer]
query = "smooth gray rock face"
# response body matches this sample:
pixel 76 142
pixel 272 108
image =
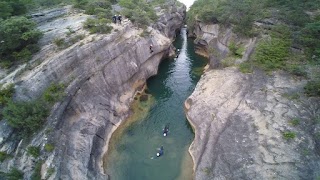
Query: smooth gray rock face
pixel 102 74
pixel 213 41
pixel 239 121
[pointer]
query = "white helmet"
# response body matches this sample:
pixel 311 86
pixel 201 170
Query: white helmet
pixel 158 154
pixel 164 134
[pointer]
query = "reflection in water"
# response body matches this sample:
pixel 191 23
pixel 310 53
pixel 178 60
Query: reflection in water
pixel 134 154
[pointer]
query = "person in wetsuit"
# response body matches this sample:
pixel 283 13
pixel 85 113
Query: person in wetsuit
pixel 166 130
pixel 160 153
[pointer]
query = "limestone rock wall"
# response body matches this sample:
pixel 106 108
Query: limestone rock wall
pixel 240 119
pixel 213 40
pixel 102 74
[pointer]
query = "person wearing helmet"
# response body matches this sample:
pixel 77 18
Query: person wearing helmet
pixel 160 153
pixel 114 19
pixel 166 130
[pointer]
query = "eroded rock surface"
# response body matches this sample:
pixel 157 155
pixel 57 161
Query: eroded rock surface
pixel 102 74
pixel 240 121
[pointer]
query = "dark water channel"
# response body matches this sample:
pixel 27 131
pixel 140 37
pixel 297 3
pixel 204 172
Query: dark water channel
pixel 133 147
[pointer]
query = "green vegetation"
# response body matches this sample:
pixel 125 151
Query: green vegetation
pixel 294 122
pixel 49 147
pixel 50 171
pixel 27 117
pixel 33 151
pixel 290 30
pixel 271 54
pixel 62 43
pixel 228 61
pixel 245 67
pixel 6 94
pixel 3 156
pixel 54 93
pixel 98 25
pixel 12 8
pixel 139 12
pixel 236 50
pixel 14 174
pixel 289 135
pixel 36 175
pixel 291 96
pixel 312 88
pixel 18 40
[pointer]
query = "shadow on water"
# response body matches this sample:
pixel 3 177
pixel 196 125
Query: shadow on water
pixel 133 146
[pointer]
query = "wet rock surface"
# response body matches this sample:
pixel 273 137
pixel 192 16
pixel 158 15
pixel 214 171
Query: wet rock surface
pixel 240 121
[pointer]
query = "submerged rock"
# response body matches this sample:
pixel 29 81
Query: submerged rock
pixel 144 98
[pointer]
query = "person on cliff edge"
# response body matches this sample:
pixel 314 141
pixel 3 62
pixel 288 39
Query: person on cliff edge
pixel 119 18
pixel 114 19
pixel 151 48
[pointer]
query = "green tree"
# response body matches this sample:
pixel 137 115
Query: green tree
pixel 17 34
pixel 6 10
pixel 27 117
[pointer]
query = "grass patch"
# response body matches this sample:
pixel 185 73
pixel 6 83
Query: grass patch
pixel 246 67
pixel 312 88
pixel 228 61
pixel 59 42
pixel 236 50
pixel 49 147
pixel 36 175
pixel 54 93
pixel 98 25
pixel 289 135
pixel 296 69
pixel 294 122
pixel 292 96
pixel 50 171
pixel 33 151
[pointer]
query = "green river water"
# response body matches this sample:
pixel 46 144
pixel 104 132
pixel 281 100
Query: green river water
pixel 133 146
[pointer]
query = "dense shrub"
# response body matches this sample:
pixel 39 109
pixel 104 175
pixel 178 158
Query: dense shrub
pixel 289 135
pixel 3 156
pixel 33 151
pixel 98 25
pixel 139 12
pixel 245 67
pixel 6 94
pixel 18 37
pixel 49 147
pixel 312 88
pixel 271 53
pixel 12 8
pixel 14 174
pixel 26 117
pixel 36 175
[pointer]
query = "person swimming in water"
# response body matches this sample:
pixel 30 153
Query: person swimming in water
pixel 166 130
pixel 160 153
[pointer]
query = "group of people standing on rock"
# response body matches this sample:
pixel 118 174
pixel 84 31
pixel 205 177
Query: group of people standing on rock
pixel 117 18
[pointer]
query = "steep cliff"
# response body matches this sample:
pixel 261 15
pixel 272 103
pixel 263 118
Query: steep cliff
pixel 102 74
pixel 249 126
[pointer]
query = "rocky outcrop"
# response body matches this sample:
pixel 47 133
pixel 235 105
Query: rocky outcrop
pixel 213 41
pixel 250 126
pixel 102 74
